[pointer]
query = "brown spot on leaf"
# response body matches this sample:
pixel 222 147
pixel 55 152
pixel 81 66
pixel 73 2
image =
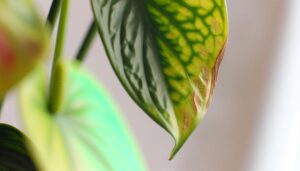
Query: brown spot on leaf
pixel 201 87
pixel 186 121
pixel 215 72
pixel 216 25
pixel 196 102
pixel 206 74
pixel 202 51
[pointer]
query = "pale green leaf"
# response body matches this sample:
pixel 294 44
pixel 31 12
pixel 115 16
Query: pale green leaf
pixel 87 133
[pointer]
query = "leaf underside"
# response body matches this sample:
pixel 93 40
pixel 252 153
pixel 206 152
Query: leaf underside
pixel 86 134
pixel 166 54
pixel 14 155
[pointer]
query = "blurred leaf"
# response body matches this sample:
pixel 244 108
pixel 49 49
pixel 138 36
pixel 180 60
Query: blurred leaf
pixel 86 134
pixel 13 153
pixel 166 53
pixel 23 41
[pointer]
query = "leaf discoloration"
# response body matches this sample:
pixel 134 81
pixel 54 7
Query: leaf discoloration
pixel 175 46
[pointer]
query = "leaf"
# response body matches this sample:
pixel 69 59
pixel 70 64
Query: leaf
pixel 87 133
pixel 166 54
pixel 13 152
pixel 24 41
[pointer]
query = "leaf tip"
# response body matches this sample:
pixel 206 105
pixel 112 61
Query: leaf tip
pixel 178 144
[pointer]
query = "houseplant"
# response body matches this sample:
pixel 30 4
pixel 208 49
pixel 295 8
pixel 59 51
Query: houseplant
pixel 166 55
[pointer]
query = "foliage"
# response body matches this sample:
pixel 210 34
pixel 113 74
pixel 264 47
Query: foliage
pixel 166 54
pixel 13 151
pixel 86 133
pixel 23 41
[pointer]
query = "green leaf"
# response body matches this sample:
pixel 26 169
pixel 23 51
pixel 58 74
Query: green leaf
pixel 87 133
pixel 166 53
pixel 24 40
pixel 13 152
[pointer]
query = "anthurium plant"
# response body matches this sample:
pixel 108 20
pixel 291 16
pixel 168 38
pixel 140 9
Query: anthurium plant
pixel 166 54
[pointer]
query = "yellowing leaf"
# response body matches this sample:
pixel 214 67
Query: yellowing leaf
pixel 166 53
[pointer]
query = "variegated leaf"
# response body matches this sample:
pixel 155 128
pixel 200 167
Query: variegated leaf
pixel 166 53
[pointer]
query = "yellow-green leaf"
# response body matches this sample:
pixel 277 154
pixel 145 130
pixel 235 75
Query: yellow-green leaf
pixel 87 133
pixel 166 53
pixel 23 41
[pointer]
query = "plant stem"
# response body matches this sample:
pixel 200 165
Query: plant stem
pixel 57 56
pixel 86 43
pixel 59 46
pixel 53 13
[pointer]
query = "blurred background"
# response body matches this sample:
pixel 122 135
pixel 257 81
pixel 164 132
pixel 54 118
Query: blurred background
pixel 229 136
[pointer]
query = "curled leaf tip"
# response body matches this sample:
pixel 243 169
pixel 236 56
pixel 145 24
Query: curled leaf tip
pixel 176 148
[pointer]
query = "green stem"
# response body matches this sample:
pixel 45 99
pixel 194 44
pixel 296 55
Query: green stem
pixel 86 43
pixel 54 81
pixel 59 46
pixel 53 13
